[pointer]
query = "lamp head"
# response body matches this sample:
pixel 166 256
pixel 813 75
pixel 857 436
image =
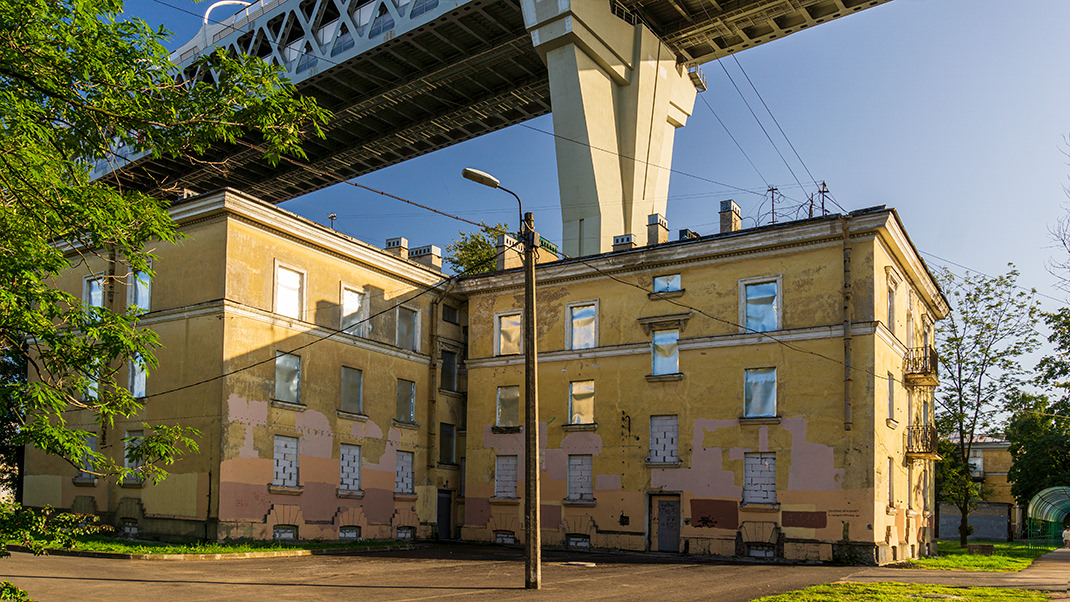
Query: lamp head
pixel 480 177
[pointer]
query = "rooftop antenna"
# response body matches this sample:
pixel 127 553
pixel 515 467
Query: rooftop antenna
pixel 824 190
pixel 772 200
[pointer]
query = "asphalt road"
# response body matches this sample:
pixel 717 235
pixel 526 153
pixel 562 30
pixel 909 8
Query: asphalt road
pixel 460 572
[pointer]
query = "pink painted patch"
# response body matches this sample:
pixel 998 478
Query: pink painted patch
pixel 705 477
pixel 316 434
pixel 607 481
pixel 582 443
pixel 477 512
pixel 813 467
pixel 243 411
pixel 367 429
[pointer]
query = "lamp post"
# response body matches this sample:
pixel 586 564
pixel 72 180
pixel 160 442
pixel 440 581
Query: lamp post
pixel 532 518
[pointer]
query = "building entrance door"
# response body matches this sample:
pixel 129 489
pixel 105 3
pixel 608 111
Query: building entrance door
pixel 665 523
pixel 445 514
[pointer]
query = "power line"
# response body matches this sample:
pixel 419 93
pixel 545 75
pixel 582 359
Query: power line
pixel 726 130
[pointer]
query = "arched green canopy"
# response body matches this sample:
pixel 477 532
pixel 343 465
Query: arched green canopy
pixel 1052 505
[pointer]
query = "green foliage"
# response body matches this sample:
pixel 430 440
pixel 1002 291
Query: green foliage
pixel 903 592
pixel 79 86
pixel 1007 557
pixel 475 252
pixel 40 530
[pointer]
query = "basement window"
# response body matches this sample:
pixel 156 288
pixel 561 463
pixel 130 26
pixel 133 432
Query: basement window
pixel 284 532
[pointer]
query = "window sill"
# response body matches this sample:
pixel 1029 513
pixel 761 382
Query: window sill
pixel 287 405
pixel 449 465
pixel 405 497
pixel 84 481
pixel 505 501
pixel 586 426
pixel 654 296
pixel 499 430
pixel 665 464
pixel 759 507
pixel 582 503
pixel 350 493
pixel 891 511
pixel 451 393
pixel 661 378
pixel 406 425
pixel 284 490
pixel 892 424
pixel 745 420
pixel 352 415
pixel 132 484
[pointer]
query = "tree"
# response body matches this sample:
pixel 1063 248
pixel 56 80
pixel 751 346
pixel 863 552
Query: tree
pixel 475 252
pixel 1039 436
pixel 992 323
pixel 76 84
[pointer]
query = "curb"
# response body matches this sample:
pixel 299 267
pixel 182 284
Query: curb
pixel 223 556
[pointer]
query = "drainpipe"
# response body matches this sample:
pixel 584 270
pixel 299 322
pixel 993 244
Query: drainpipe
pixel 845 229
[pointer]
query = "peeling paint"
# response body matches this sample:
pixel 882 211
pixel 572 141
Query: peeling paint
pixel 812 464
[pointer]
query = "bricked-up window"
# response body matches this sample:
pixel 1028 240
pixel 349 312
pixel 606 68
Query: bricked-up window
pixel 891 482
pixel 406 400
pixel 759 478
pixel 580 478
pixel 93 291
pixel 353 311
pixel 130 443
pixel 508 339
pixel 762 306
pixel 285 461
pixel 140 284
pixel 289 292
pixel 352 385
pixel 666 284
pixel 449 370
pixel 508 406
pixel 759 392
pixel 447 443
pixel 287 377
pixel 664 434
pixel 404 481
pixel 581 402
pixel 666 352
pixel 137 376
pixel 407 337
pixel 505 474
pixel 349 478
pixel 891 396
pixel 583 326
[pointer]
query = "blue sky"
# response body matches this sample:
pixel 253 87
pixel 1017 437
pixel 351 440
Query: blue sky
pixel 952 111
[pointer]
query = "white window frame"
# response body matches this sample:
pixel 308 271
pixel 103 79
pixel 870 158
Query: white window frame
pixel 776 387
pixel 778 304
pixel 571 399
pixel 498 329
pixel 131 289
pixel 415 327
pixel 890 381
pixel 137 376
pixel 654 286
pixel 301 292
pixel 568 322
pixel 361 328
pixel 411 418
pixel 653 352
pixel 98 276
pixel 498 405
pixel 893 279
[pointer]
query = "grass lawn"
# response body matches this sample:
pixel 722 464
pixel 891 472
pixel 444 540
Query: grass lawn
pixel 903 592
pixel 1009 557
pixel 123 546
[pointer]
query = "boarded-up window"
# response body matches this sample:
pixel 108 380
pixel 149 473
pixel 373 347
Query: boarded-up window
pixel 349 478
pixel 447 443
pixel 288 292
pixel 509 334
pixel 762 306
pixel 664 284
pixel 580 477
pixel 666 353
pixel 509 406
pixel 352 385
pixel 759 392
pixel 759 478
pixel 353 311
pixel 403 476
pixel 287 377
pixel 664 434
pixel 581 402
pixel 285 461
pixel 584 326
pixel 505 474
pixel 407 329
pixel 449 370
pixel 406 400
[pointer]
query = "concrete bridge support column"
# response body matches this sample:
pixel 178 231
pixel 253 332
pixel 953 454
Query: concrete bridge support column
pixel 617 95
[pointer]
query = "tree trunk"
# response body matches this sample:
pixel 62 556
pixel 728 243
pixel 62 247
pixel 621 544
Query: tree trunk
pixel 964 525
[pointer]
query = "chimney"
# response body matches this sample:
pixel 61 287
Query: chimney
pixel 398 247
pixel 730 221
pixel 686 234
pixel 509 253
pixel 657 230
pixel 624 242
pixel 427 255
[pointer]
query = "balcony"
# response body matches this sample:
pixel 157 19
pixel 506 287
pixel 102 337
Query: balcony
pixel 922 442
pixel 920 367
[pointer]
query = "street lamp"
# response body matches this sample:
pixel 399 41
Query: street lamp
pixel 532 519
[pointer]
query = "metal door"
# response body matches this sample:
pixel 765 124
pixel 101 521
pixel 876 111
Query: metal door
pixel 445 515
pixel 668 525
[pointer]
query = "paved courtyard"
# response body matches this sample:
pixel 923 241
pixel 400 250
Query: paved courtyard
pixel 451 571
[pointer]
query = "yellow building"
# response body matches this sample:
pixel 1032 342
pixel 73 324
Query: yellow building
pixel 304 358
pixel 763 392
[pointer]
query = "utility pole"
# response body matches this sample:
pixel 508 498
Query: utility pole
pixel 532 496
pixel 772 200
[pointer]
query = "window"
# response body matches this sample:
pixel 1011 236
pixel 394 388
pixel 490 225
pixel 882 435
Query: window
pixel 508 339
pixel 353 311
pixel 138 294
pixel 759 392
pixel 403 477
pixel 666 352
pixel 450 314
pixel 93 291
pixel 287 377
pixel 910 486
pixel 406 401
pixel 352 390
pixel 910 407
pixel 131 443
pixel 664 434
pixel 891 396
pixel 137 376
pixel 759 478
pixel 349 532
pixel 891 303
pixel 349 477
pixel 762 306
pixel 92 390
pixel 583 326
pixel 505 474
pixel 87 466
pixel 284 532
pixel 891 483
pixel 580 478
pixel 509 406
pixel 667 284
pixel 447 443
pixel 286 465
pixel 289 297
pixel 449 370
pixel 407 337
pixel 581 402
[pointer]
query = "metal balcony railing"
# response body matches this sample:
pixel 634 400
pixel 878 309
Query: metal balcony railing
pixel 921 366
pixel 922 441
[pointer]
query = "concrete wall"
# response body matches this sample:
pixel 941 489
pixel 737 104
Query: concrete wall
pixel 990 521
